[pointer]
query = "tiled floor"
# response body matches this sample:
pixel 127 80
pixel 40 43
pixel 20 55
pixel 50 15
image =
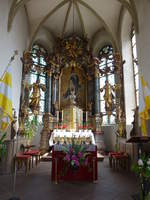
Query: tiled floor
pixel 38 186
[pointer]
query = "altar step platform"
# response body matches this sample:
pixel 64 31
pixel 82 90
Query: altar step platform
pixel 47 157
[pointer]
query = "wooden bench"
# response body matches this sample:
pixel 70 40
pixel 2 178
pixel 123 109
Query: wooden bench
pixel 119 160
pixel 35 154
pixel 20 160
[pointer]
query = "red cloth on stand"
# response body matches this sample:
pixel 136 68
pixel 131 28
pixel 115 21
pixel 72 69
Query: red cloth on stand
pixel 83 173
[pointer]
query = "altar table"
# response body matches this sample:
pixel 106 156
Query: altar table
pixel 86 136
pixel 83 173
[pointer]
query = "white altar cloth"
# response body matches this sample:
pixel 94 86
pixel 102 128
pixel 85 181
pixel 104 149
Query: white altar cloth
pixel 71 134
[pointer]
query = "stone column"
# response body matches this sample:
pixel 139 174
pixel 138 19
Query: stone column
pixel 53 94
pixel 57 88
pixel 97 92
pixel 98 119
pixel 46 132
pixel 48 102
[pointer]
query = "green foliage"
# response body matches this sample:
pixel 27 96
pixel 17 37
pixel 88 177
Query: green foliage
pixel 31 127
pixel 2 138
pixel 76 154
pixel 148 196
pixel 116 147
pixel 2 146
pixel 142 168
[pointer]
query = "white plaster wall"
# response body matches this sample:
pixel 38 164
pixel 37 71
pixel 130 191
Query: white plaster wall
pixel 100 40
pixel 143 43
pixel 109 137
pixel 16 39
pixel 46 39
pixel 129 88
pixel 143 38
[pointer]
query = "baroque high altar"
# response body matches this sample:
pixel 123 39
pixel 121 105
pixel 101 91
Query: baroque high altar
pixel 72 88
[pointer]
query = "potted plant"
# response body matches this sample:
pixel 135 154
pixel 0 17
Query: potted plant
pixel 2 146
pixel 31 127
pixel 142 169
pixel 75 157
pixel 2 152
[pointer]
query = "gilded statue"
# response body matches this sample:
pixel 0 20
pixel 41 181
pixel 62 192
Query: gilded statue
pixel 119 114
pixel 14 125
pixel 120 120
pixel 122 126
pixel 35 96
pixel 108 97
pixel 27 61
pixel 135 123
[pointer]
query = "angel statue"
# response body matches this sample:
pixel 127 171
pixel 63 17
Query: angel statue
pixel 35 96
pixel 109 97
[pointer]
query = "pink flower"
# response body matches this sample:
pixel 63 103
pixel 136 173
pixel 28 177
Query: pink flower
pixel 67 157
pixel 74 157
pixel 76 162
pixel 86 161
pixel 80 154
pixel 71 150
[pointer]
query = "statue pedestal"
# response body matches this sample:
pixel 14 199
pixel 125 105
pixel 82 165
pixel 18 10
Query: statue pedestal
pixel 72 117
pixel 46 132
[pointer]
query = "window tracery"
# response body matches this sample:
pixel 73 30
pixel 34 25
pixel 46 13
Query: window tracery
pixel 135 66
pixel 107 84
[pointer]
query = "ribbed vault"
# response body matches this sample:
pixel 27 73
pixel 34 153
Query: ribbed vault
pixel 87 17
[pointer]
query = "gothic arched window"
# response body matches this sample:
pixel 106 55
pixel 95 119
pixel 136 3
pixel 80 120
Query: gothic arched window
pixel 38 56
pixel 106 62
pixel 135 66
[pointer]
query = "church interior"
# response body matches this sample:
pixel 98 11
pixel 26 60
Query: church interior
pixel 74 99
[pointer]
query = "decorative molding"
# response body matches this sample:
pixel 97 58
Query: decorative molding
pixel 28 20
pixel 13 10
pixel 10 15
pixel 81 19
pixel 95 35
pixel 114 42
pixel 44 19
pixel 130 6
pixel 50 32
pixel 66 18
pixel 135 16
pixel 121 14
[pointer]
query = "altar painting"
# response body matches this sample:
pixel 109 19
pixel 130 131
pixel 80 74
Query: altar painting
pixel 72 85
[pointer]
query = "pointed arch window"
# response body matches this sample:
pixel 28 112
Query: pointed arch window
pixel 106 62
pixel 135 66
pixel 39 62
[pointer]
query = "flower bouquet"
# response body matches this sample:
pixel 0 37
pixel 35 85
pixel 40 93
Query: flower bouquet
pixel 142 169
pixel 75 156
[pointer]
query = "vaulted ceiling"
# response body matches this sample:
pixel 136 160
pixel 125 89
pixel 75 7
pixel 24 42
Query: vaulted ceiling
pixel 83 17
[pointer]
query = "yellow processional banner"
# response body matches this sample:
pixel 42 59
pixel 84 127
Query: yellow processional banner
pixel 6 100
pixel 144 106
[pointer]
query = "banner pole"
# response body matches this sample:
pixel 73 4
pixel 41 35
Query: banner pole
pixel 10 61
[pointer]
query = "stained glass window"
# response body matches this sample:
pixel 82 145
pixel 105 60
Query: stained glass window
pixel 106 62
pixel 38 57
